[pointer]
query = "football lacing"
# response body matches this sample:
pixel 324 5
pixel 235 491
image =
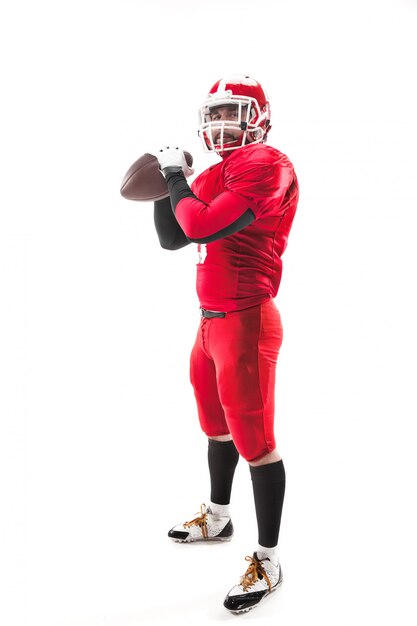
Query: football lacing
pixel 254 572
pixel 200 521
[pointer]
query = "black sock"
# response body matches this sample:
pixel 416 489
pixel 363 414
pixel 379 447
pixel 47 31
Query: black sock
pixel 268 482
pixel 222 461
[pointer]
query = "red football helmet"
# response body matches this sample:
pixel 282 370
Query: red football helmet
pixel 235 113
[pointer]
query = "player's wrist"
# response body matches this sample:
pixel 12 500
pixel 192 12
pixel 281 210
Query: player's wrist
pixel 172 170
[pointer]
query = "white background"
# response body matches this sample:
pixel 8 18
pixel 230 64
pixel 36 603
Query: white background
pixel 100 450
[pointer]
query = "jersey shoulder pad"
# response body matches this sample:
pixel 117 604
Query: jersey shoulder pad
pixel 255 160
pixel 262 174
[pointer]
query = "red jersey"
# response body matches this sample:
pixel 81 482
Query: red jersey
pixel 244 269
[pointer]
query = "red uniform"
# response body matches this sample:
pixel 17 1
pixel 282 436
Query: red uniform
pixel 243 269
pixel 234 357
pixel 232 370
pixel 240 213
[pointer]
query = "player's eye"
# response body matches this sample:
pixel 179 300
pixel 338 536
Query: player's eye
pixel 226 113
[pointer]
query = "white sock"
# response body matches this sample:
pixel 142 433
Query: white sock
pixel 270 553
pixel 220 509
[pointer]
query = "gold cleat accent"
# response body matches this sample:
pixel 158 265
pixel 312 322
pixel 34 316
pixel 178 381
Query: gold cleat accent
pixel 201 521
pixel 253 573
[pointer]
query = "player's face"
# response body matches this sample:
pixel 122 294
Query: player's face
pixel 226 113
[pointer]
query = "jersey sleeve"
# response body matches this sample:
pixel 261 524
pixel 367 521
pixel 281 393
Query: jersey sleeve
pixel 262 178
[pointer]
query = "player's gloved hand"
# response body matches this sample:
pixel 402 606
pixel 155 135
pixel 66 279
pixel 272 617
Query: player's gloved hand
pixel 173 158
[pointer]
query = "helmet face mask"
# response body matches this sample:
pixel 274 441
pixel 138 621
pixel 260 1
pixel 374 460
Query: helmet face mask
pixel 232 116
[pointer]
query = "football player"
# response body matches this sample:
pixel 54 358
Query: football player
pixel 239 212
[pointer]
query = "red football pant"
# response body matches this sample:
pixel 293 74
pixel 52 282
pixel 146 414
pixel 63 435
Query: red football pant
pixel 232 370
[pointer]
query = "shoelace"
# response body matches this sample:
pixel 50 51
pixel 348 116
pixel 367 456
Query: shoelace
pixel 253 573
pixel 201 521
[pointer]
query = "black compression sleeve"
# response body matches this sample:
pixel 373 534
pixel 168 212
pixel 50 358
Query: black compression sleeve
pixel 177 186
pixel 170 234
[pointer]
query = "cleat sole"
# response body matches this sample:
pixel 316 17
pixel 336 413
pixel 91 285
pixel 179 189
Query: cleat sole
pixel 202 540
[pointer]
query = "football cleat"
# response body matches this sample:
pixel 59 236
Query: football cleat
pixel 260 579
pixel 205 527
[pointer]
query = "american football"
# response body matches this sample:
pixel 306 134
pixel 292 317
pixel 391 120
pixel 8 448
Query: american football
pixel 144 180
